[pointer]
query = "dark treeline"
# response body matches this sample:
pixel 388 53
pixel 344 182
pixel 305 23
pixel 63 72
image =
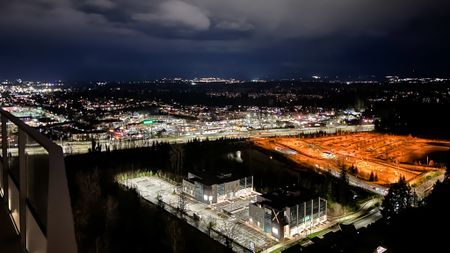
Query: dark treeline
pixel 414 117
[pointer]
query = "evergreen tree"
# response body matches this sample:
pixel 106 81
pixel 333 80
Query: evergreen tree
pixel 344 176
pixel 398 199
pixel 353 170
pixel 371 177
pixel 344 194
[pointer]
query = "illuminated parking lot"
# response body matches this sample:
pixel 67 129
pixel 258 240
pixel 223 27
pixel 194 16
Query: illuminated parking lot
pixel 385 157
pixel 226 215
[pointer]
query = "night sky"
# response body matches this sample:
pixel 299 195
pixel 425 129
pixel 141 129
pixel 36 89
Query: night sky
pixel 148 39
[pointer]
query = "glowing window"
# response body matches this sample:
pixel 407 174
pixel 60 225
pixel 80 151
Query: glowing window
pixel 275 230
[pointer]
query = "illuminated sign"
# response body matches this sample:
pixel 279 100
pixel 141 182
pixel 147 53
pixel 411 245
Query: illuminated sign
pixel 148 122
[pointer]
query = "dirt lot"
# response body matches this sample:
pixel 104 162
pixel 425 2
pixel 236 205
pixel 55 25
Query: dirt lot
pixel 386 157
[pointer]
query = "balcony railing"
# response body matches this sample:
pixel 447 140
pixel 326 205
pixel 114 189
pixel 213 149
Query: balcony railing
pixel 33 182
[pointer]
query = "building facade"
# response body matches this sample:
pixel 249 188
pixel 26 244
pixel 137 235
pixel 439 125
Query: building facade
pixel 293 217
pixel 217 189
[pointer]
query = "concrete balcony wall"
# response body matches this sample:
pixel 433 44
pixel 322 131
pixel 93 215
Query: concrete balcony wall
pixel 33 183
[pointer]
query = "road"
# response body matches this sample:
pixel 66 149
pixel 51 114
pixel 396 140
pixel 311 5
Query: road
pixel 352 180
pixel 367 219
pixel 80 147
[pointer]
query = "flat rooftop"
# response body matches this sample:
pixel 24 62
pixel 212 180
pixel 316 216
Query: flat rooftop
pixel 286 197
pixel 218 177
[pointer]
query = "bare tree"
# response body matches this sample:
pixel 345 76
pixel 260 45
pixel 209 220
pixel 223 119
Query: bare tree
pixel 176 158
pixel 160 200
pixel 210 225
pixel 182 203
pixel 229 230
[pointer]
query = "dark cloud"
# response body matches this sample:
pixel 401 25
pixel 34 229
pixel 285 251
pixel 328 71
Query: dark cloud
pixel 102 4
pixel 125 38
pixel 176 13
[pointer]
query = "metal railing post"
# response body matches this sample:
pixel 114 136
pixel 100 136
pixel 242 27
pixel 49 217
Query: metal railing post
pixel 22 187
pixel 5 158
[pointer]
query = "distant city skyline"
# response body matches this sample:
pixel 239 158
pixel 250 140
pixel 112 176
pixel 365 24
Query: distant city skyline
pixel 215 79
pixel 242 39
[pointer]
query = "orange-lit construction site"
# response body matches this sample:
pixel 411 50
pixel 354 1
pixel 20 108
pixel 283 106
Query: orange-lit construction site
pixel 386 157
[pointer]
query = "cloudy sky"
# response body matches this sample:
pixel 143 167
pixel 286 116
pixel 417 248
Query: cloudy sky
pixel 146 39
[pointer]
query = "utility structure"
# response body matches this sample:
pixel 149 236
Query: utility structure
pixel 287 212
